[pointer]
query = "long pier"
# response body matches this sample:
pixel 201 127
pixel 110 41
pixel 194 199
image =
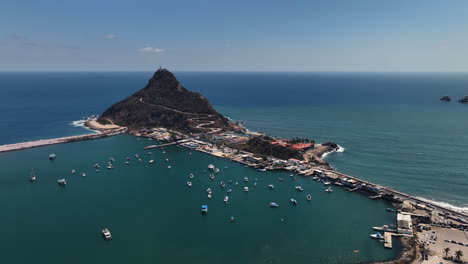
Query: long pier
pixel 161 145
pixel 61 140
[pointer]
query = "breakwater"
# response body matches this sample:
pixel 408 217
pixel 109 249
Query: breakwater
pixel 61 140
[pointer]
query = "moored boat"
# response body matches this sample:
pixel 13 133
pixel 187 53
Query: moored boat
pixel 151 161
pixel 52 156
pixel 299 188
pixel 280 179
pixel 274 205
pixel 189 184
pixel 190 176
pixel 246 189
pixel 216 170
pixel 271 186
pixel 62 182
pixel 222 184
pixel 106 234
pixel 246 179
pixel 208 190
pixel 377 235
pixel 329 190
pixel 212 177
pixel 211 167
pixel 83 174
pixel 204 209
pixel 293 201
pixel 308 197
pixel 226 199
pixel 33 176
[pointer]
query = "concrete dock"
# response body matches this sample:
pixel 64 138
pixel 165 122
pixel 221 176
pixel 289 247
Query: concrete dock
pixel 61 140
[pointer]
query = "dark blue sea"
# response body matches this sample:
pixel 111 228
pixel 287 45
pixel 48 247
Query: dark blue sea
pixel 392 127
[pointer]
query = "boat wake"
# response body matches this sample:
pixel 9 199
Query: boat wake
pixel 446 205
pixel 340 149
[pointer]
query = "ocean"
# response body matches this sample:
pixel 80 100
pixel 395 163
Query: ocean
pixel 392 127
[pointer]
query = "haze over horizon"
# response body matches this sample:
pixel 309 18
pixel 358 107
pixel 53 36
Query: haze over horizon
pixel 323 36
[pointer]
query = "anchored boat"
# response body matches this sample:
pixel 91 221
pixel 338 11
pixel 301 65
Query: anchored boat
pixel 106 234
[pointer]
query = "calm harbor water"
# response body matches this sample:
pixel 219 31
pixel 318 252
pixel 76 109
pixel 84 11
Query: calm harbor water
pixel 394 130
pixel 155 217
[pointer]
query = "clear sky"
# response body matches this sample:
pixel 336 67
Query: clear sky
pixel 235 35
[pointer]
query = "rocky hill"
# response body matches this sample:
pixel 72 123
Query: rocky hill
pixel 164 102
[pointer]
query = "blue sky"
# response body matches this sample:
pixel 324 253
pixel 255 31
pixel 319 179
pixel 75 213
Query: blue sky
pixel 347 35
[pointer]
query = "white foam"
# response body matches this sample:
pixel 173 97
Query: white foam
pixel 340 149
pixel 81 123
pixel 446 205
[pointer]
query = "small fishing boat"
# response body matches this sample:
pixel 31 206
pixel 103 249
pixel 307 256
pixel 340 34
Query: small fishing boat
pixel 139 160
pixel 246 189
pixel 246 179
pixel 164 152
pixel 291 175
pixel 190 176
pixel 271 186
pixel 222 184
pixel 149 153
pixel 377 235
pixel 280 179
pixel 274 205
pixel 329 190
pixel 231 219
pixel 229 191
pixel 327 183
pixel 96 166
pixel 106 234
pixel 151 161
pixel 166 160
pixel 390 210
pixel 111 159
pixel 204 209
pixel 52 156
pixel 212 176
pixel 208 190
pixel 62 182
pixel 110 166
pixel 33 176
pixel 127 158
pixel 209 196
pixel 169 167
pixel 308 197
pixel 73 171
pixel 83 174
pixel 315 178
pixel 127 162
pixel 216 170
pixel 189 184
pixel 255 184
pixel 293 201
pixel 299 188
pixel 136 156
pixel 226 198
pixel 211 167
pixel 236 183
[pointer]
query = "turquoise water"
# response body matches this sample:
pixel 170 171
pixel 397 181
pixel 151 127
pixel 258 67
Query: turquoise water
pixel 155 217
pixel 394 130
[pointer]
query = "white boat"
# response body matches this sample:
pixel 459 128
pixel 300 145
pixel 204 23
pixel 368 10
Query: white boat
pixel 377 235
pixel 280 179
pixel 231 219
pixel 246 189
pixel 106 234
pixel 139 160
pixel 136 156
pixel 149 153
pixel 299 188
pixel 223 184
pixel 209 196
pixel 327 183
pixel 111 159
pixel 236 183
pixel 73 171
pixel 293 201
pixel 151 161
pixel 52 156
pixel 96 166
pixel 110 166
pixel 308 197
pixel 166 160
pixel 329 190
pixel 33 176
pixel 255 184
pixel 189 184
pixel 211 167
pixel 62 182
pixel 208 190
pixel 274 205
pixel 246 179
pixel 83 174
pixel 229 191
pixel 271 186
pixel 169 167
pixel 315 178
pixel 190 176
pixel 212 176
pixel 127 158
pixel 226 199
pixel 127 162
pixel 216 170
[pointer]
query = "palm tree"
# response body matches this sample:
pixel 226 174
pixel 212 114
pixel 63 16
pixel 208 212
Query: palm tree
pixel 446 251
pixel 458 255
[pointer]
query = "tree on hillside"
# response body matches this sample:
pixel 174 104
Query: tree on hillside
pixel 446 251
pixel 458 255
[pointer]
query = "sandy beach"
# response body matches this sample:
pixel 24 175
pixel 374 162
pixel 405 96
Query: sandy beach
pixel 94 125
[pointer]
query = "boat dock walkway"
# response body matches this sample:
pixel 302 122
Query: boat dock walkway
pixel 388 240
pixel 163 145
pixel 61 140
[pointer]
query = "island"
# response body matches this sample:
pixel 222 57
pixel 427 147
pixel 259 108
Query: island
pixel 445 98
pixel 464 99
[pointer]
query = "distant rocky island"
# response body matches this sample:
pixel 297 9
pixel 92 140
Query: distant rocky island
pixel 445 98
pixel 164 102
pixel 464 100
